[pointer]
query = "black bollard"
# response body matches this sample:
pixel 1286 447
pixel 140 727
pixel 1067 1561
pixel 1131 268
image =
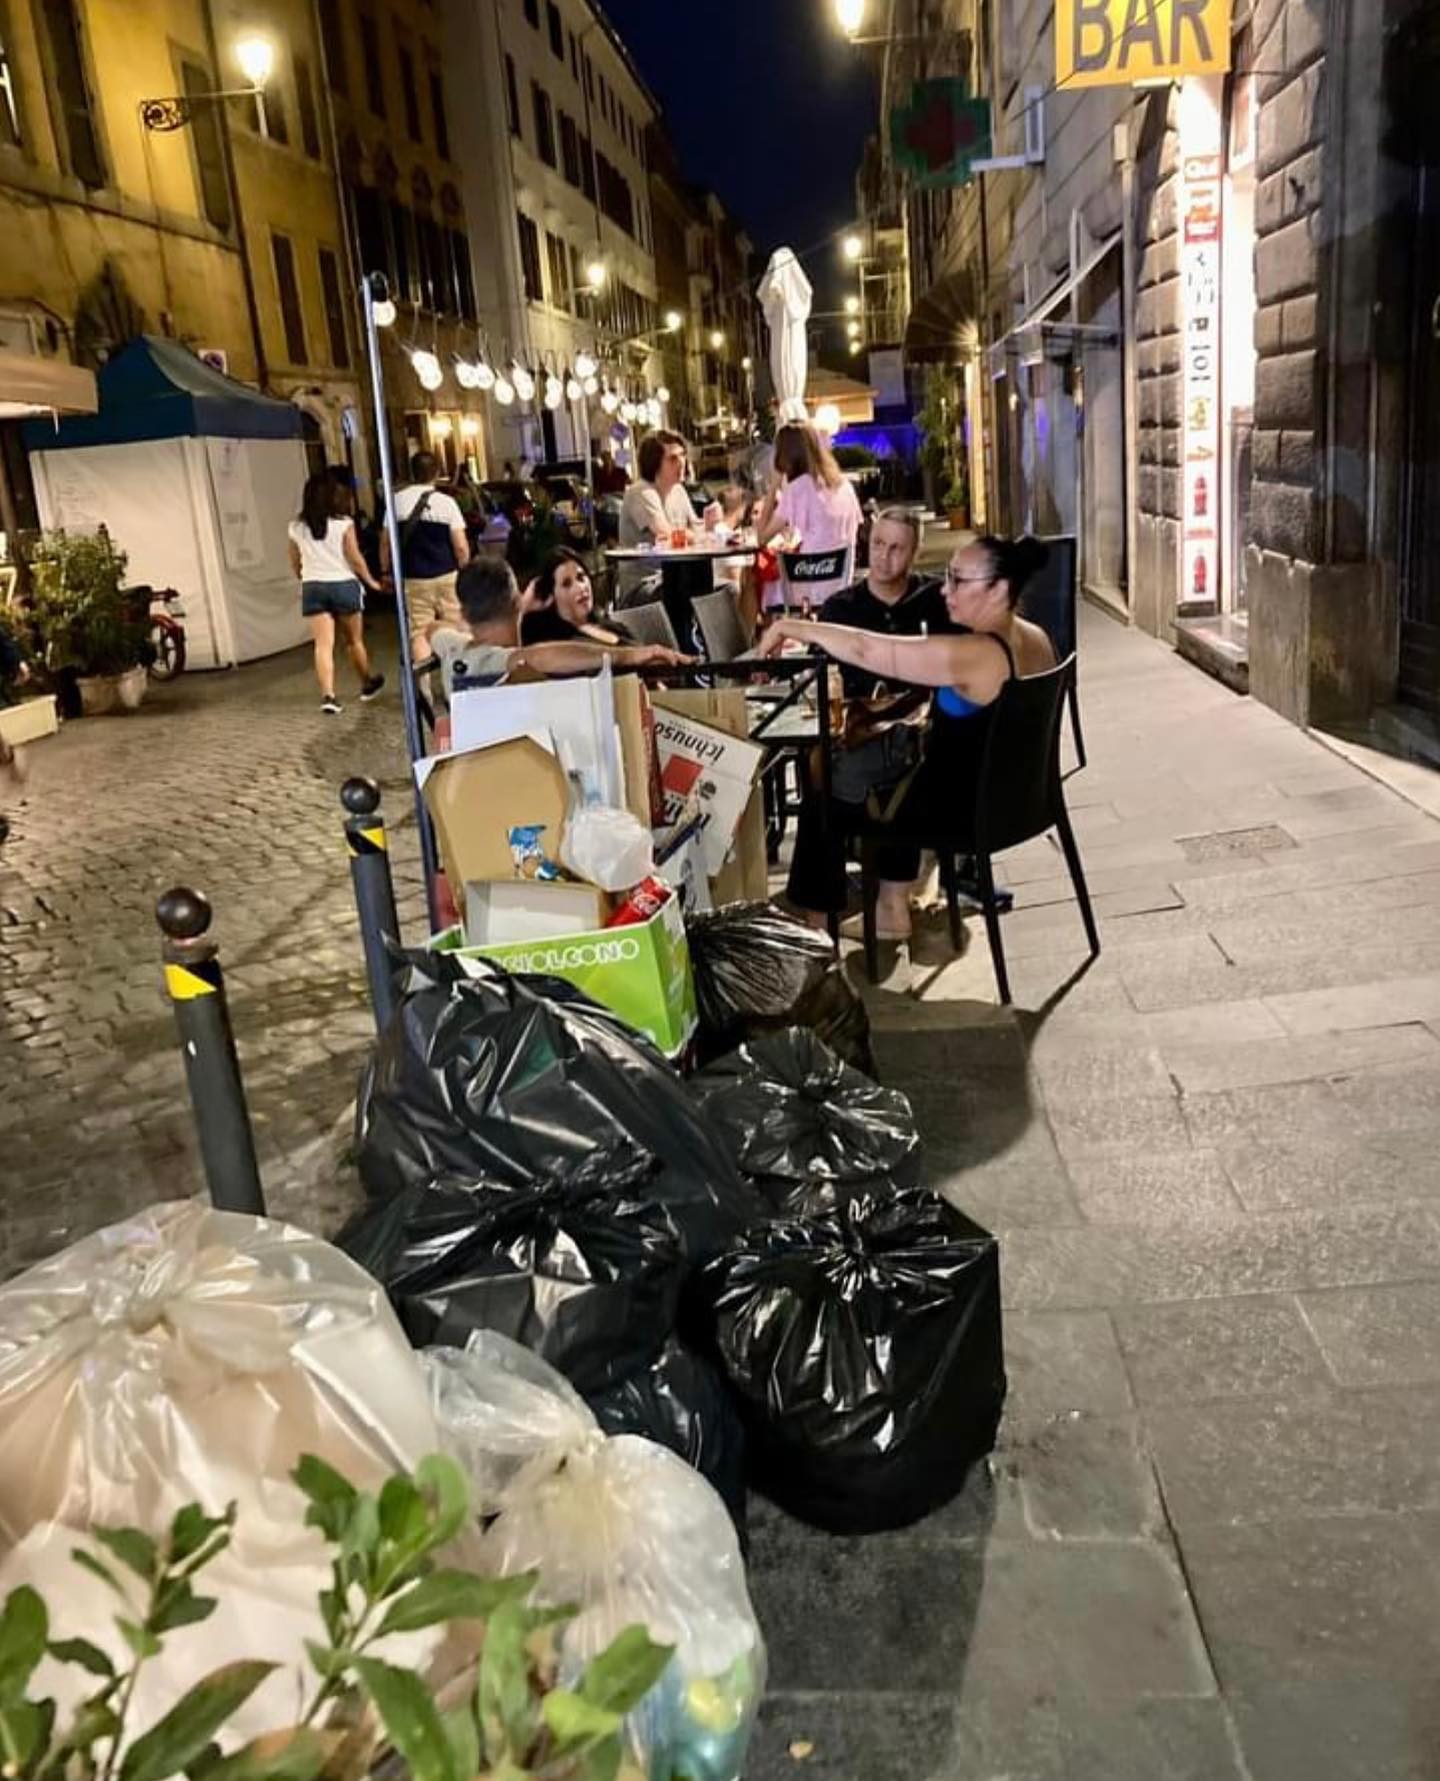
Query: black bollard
pixel 374 890
pixel 196 987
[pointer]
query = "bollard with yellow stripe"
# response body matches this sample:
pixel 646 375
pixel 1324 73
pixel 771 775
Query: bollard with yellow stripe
pixel 369 849
pixel 196 987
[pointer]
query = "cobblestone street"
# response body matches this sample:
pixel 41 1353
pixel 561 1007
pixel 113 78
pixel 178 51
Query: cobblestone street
pixel 1207 1548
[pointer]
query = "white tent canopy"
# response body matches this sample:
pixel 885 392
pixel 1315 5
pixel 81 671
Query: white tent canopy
pixel 786 296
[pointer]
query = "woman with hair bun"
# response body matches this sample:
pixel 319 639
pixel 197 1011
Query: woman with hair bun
pixel 969 669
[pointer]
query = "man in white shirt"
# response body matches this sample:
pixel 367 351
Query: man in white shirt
pixel 654 508
pixel 434 547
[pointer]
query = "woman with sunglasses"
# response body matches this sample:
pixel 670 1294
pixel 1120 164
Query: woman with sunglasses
pixel 968 667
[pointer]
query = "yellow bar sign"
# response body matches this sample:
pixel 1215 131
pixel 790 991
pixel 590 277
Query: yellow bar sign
pixel 1113 43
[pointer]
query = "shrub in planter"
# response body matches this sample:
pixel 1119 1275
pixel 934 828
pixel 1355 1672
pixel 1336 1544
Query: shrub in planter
pixel 87 625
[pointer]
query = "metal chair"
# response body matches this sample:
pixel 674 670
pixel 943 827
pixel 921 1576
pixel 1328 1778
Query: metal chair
pixel 718 616
pixel 649 624
pixel 1019 795
pixel 803 570
pixel 1051 600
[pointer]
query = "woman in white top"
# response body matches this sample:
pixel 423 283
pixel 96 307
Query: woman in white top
pixel 811 499
pixel 325 558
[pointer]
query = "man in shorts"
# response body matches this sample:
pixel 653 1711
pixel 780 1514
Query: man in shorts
pixel 434 547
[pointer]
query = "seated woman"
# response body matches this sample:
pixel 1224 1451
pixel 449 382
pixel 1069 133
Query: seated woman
pixel 560 606
pixel 813 503
pixel 969 669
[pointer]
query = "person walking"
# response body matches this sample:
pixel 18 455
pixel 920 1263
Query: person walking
pixel 434 548
pixel 325 558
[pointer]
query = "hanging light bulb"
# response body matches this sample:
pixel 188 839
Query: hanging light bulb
pixel 609 401
pixel 554 391
pixel 662 396
pixel 591 385
pixel 585 366
pixel 573 391
pixel 467 373
pixel 484 376
pixel 504 391
pixel 524 380
pixel 627 412
pixel 384 313
pixel 426 367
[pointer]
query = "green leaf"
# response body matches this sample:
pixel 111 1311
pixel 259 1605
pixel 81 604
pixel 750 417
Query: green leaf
pixel 360 1539
pixel 625 1671
pixel 192 1527
pixel 404 1516
pixel 573 1721
pixel 24 1629
pixel 93 1722
pixel 328 1662
pixel 332 1612
pixel 135 1550
pixel 81 1651
pixel 298 1754
pixel 603 1762
pixel 139 1638
pixel 464 1738
pixel 509 1715
pixel 411 1720
pixel 88 1562
pixel 180 1607
pixel 451 1595
pixel 331 1496
pixel 442 1482
pixel 175 1740
pixel 24 1732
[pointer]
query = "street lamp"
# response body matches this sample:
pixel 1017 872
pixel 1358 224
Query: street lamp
pixel 717 340
pixel 852 328
pixel 747 363
pixel 850 14
pixel 852 247
pixel 595 275
pixel 674 321
pixel 255 58
pixel 852 306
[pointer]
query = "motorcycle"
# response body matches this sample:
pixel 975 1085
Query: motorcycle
pixel 163 613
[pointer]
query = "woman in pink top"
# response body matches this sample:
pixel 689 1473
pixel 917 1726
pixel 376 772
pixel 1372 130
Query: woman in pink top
pixel 810 499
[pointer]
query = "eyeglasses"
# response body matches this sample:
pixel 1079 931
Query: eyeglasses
pixel 953 580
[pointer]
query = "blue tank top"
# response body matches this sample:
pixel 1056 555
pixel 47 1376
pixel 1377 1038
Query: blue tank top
pixel 953 704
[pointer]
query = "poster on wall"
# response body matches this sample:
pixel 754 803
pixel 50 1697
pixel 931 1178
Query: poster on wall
pixel 241 536
pixel 1201 186
pixel 1114 43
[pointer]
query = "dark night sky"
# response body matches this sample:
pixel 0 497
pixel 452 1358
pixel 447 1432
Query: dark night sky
pixel 767 105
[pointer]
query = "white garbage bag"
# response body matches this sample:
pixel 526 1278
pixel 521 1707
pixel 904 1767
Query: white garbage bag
pixel 607 847
pixel 620 1527
pixel 189 1355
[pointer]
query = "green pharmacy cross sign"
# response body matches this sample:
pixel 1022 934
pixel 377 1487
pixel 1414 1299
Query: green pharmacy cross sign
pixel 940 132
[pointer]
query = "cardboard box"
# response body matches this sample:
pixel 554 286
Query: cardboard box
pixel 475 798
pixel 717 766
pixel 744 873
pixel 521 909
pixel 641 972
pixel 29 720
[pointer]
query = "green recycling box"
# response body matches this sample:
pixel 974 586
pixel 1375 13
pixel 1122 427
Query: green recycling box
pixel 641 972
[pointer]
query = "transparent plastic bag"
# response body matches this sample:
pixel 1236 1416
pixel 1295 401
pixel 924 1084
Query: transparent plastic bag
pixel 621 1528
pixel 188 1355
pixel 607 847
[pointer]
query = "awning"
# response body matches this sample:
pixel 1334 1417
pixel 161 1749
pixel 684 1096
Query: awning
pixel 30 385
pixel 940 330
pixel 1036 326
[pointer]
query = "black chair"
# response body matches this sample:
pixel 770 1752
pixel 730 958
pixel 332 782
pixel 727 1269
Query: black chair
pixel 650 624
pixel 718 616
pixel 1019 796
pixel 1051 600
pixel 806 569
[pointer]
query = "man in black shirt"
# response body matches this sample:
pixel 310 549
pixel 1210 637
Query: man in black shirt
pixel 891 598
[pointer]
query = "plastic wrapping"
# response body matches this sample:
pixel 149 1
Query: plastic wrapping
pixel 514 1078
pixel 803 1126
pixel 758 969
pixel 582 1268
pixel 607 847
pixel 624 1530
pixel 189 1355
pixel 680 1401
pixel 864 1346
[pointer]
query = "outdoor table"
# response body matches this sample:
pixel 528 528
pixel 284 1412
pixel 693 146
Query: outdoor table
pixel 685 574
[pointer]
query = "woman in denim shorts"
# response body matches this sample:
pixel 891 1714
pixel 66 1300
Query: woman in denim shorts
pixel 325 557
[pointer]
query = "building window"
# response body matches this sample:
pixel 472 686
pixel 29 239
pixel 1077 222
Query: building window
pixel 544 124
pixel 570 148
pixel 70 93
pixel 9 113
pixel 373 248
pixel 557 31
pixel 574 57
pixel 333 296
pixel 288 287
pixel 410 93
pixel 437 108
pixel 333 35
pixel 374 72
pixel 532 13
pixel 589 80
pixel 561 295
pixel 530 258
pixel 305 99
pixel 512 98
pixel 464 274
pixel 436 289
pixel 208 148
pixel 402 252
pixel 587 168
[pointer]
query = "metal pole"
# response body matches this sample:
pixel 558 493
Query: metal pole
pixel 414 741
pixel 374 890
pixel 196 987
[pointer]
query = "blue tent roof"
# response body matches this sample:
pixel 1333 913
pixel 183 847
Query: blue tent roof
pixel 158 389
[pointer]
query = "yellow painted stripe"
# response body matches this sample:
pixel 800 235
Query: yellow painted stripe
pixel 376 838
pixel 187 986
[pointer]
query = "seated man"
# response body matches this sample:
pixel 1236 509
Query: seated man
pixel 489 649
pixel 891 599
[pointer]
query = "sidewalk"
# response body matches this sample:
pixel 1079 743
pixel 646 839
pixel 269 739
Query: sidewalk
pixel 1208 1547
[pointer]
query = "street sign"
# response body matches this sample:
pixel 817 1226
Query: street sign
pixel 1109 43
pixel 939 133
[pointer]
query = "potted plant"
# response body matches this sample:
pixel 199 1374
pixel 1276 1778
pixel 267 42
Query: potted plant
pixel 88 626
pixel 956 498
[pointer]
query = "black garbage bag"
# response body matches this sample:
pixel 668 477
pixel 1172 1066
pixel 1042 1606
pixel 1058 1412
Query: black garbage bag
pixel 680 1401
pixel 583 1268
pixel 799 1122
pixel 864 1348
pixel 758 969
pixel 523 1078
